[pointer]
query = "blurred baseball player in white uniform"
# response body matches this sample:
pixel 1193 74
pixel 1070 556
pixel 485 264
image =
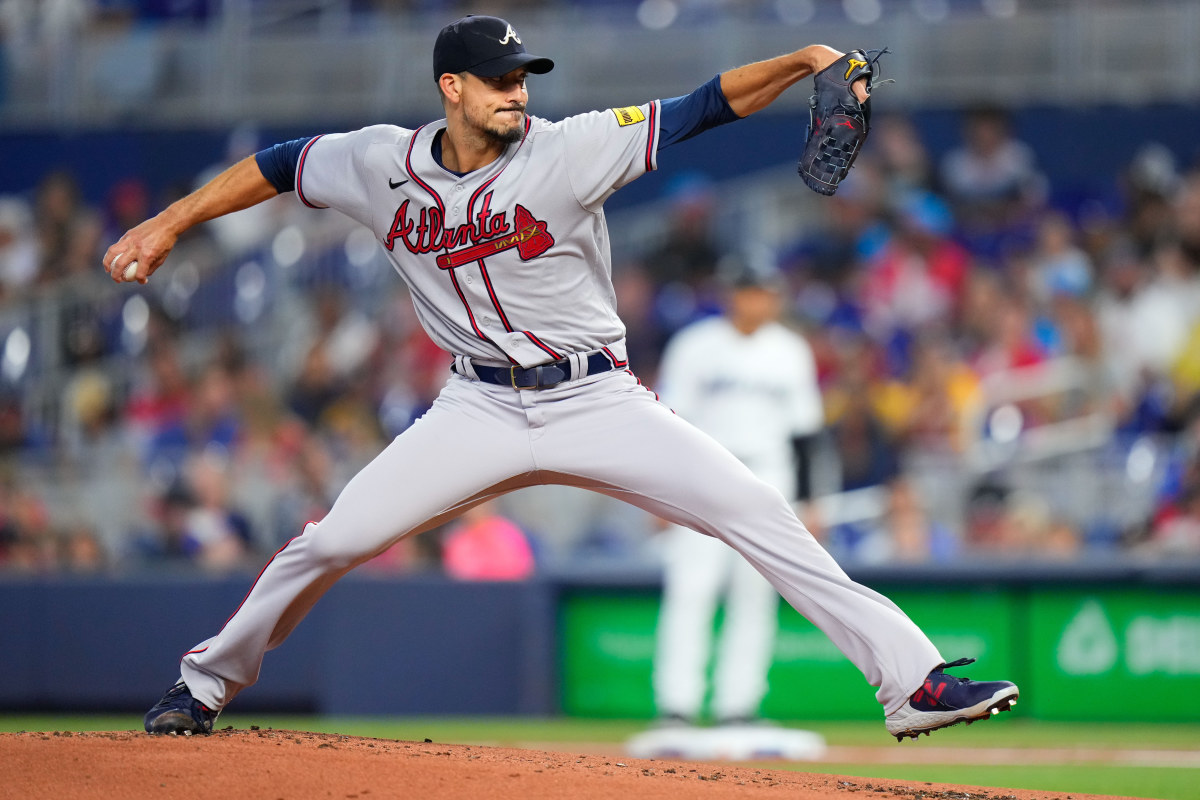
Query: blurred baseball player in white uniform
pixel 495 220
pixel 751 384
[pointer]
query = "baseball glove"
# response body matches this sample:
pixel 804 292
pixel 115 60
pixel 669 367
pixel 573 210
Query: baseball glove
pixel 837 122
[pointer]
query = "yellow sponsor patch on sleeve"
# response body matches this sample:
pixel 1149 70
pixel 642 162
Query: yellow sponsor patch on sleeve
pixel 630 115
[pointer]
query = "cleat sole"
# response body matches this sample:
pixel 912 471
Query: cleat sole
pixel 1002 704
pixel 174 723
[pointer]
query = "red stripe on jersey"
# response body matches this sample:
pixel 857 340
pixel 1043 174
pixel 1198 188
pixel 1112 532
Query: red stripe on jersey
pixel 653 129
pixel 487 281
pixel 616 361
pixel 300 172
pixel 644 386
pixel 258 577
pixel 466 305
pixel 412 174
pixel 545 348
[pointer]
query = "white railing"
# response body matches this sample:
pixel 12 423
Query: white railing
pixel 1069 415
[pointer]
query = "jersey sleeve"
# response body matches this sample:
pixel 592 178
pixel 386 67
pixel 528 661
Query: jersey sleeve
pixel 607 149
pixel 331 171
pixel 686 116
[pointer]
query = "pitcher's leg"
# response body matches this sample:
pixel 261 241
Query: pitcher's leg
pixel 693 579
pixel 655 460
pixel 428 473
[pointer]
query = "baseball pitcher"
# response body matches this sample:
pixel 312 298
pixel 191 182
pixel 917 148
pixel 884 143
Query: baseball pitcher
pixel 495 220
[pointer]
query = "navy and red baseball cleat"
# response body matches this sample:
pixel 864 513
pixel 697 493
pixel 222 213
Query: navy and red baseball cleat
pixel 178 712
pixel 945 700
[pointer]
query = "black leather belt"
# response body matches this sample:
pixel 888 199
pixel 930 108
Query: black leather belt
pixel 543 376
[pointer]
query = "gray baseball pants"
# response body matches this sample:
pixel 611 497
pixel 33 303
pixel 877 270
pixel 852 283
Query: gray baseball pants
pixel 603 432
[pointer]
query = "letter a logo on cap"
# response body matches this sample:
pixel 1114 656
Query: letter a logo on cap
pixel 510 35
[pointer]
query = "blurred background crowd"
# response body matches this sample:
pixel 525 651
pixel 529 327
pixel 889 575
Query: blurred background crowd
pixel 1006 374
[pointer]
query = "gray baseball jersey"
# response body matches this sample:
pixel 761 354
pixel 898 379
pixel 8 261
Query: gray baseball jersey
pixel 509 264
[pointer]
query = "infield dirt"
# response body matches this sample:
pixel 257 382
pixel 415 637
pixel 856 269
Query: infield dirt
pixel 293 765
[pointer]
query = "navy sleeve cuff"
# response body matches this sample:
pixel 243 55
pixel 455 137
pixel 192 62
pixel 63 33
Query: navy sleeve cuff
pixel 278 163
pixel 684 117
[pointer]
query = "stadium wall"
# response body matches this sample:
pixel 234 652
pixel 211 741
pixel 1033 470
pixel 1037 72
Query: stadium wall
pixel 582 643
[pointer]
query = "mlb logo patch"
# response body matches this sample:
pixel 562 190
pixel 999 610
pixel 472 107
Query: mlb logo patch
pixel 630 115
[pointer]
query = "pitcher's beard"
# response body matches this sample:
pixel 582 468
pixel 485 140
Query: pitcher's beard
pixel 506 135
pixel 492 131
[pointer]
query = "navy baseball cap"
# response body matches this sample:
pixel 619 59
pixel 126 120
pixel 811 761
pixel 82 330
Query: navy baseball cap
pixel 484 46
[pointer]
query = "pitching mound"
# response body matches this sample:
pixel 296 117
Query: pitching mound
pixel 269 764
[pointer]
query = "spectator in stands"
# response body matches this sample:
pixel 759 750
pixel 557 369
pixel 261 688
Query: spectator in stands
pixel 941 391
pixel 166 541
pixel 483 545
pixel 126 202
pixel 159 396
pixel 81 551
pixel 59 214
pixel 1149 185
pixel 307 490
pixel 338 344
pixel 863 454
pixel 1173 528
pixel 1185 218
pixel 19 247
pixel 682 265
pixel 218 534
pixel 1058 265
pixel 645 337
pixel 1008 340
pixel 27 542
pixel 828 258
pixel 99 469
pixel 1146 310
pixel 911 536
pixel 196 524
pixel 903 159
pixel 917 279
pixel 83 314
pixel 992 182
pixel 210 418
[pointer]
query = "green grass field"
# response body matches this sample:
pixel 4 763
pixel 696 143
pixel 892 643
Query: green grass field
pixel 1151 761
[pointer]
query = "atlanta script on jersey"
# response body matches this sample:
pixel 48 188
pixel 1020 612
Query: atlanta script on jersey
pixel 507 264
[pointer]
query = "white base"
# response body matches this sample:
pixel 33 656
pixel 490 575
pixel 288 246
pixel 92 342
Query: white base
pixel 728 743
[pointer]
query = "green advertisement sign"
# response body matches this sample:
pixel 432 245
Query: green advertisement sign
pixel 608 654
pixel 1125 654
pixel 1077 654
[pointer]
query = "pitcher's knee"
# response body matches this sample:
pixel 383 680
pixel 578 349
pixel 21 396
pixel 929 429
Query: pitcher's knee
pixel 333 549
pixel 762 498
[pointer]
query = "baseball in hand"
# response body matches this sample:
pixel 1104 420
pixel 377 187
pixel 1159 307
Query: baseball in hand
pixel 130 271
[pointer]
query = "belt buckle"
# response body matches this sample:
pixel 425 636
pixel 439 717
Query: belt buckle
pixel 512 377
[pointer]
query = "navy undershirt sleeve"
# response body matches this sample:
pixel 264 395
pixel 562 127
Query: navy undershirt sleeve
pixel 684 117
pixel 278 163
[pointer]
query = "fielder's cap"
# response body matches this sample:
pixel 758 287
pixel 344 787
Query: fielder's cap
pixel 484 46
pixel 753 268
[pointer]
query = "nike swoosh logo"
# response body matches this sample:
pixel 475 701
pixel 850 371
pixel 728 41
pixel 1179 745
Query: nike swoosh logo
pixel 396 184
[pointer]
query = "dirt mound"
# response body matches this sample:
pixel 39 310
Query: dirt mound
pixel 293 765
